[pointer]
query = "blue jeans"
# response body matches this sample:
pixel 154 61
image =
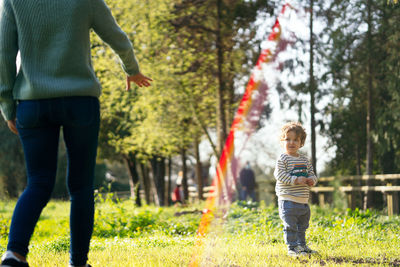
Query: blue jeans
pixel 39 123
pixel 295 217
pixel 244 193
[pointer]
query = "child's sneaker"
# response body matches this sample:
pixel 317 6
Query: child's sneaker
pixel 296 252
pixel 307 249
pixel 10 260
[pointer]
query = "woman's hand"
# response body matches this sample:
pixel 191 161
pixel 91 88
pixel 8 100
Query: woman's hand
pixel 12 126
pixel 139 79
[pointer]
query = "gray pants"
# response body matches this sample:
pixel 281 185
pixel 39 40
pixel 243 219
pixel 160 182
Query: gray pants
pixel 295 217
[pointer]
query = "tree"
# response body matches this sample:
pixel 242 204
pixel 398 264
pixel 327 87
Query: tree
pixel 368 201
pixel 121 114
pixel 219 32
pixel 154 123
pixel 345 69
pixel 184 64
pixel 364 70
pixel 312 89
pixel 388 69
pixel 12 166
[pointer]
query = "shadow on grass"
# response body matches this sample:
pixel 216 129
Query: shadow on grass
pixel 341 260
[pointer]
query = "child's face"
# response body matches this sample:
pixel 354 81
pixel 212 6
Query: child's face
pixel 291 143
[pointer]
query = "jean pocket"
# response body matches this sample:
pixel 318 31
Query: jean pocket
pixel 287 205
pixel 82 111
pixel 28 113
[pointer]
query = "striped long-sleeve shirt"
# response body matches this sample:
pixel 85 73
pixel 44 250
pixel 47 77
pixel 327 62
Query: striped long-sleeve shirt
pixel 287 169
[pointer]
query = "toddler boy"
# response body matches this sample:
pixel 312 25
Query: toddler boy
pixel 294 176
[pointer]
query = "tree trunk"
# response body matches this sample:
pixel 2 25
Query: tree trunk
pixel 184 176
pixel 158 168
pixel 153 187
pixel 199 174
pixel 357 196
pixel 221 120
pixel 230 110
pixel 134 183
pixel 368 200
pixel 312 90
pixel 167 196
pixel 358 159
pixel 145 182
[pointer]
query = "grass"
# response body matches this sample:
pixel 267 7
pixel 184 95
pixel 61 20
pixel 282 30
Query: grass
pixel 250 236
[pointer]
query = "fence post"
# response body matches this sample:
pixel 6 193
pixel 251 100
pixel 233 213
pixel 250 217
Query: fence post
pixel 389 197
pixel 321 198
pixel 351 200
pixel 392 202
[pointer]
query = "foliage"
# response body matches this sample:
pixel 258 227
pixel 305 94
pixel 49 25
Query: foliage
pixel 352 53
pixel 4 224
pixel 220 36
pixel 140 121
pixel 12 167
pixel 60 244
pixel 113 218
pixel 251 235
pixel 181 103
pixel 118 221
pixel 190 54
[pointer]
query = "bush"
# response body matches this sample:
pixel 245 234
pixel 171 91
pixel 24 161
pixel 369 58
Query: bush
pixel 60 244
pixel 113 219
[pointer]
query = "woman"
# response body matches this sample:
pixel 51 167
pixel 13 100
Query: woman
pixel 56 89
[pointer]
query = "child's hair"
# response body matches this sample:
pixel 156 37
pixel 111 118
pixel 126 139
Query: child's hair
pixel 297 128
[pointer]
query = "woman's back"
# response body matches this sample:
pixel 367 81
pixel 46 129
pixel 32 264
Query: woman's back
pixel 54 43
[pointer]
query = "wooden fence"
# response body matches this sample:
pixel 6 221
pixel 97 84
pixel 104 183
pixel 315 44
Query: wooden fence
pixel 351 185
pixel 194 195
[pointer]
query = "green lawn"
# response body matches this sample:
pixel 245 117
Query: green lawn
pixel 250 236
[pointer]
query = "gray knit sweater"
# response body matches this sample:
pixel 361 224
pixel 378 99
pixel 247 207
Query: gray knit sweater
pixel 52 37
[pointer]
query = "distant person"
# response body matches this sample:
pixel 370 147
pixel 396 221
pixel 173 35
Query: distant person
pixel 248 183
pixel 294 176
pixel 177 195
pixel 56 88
